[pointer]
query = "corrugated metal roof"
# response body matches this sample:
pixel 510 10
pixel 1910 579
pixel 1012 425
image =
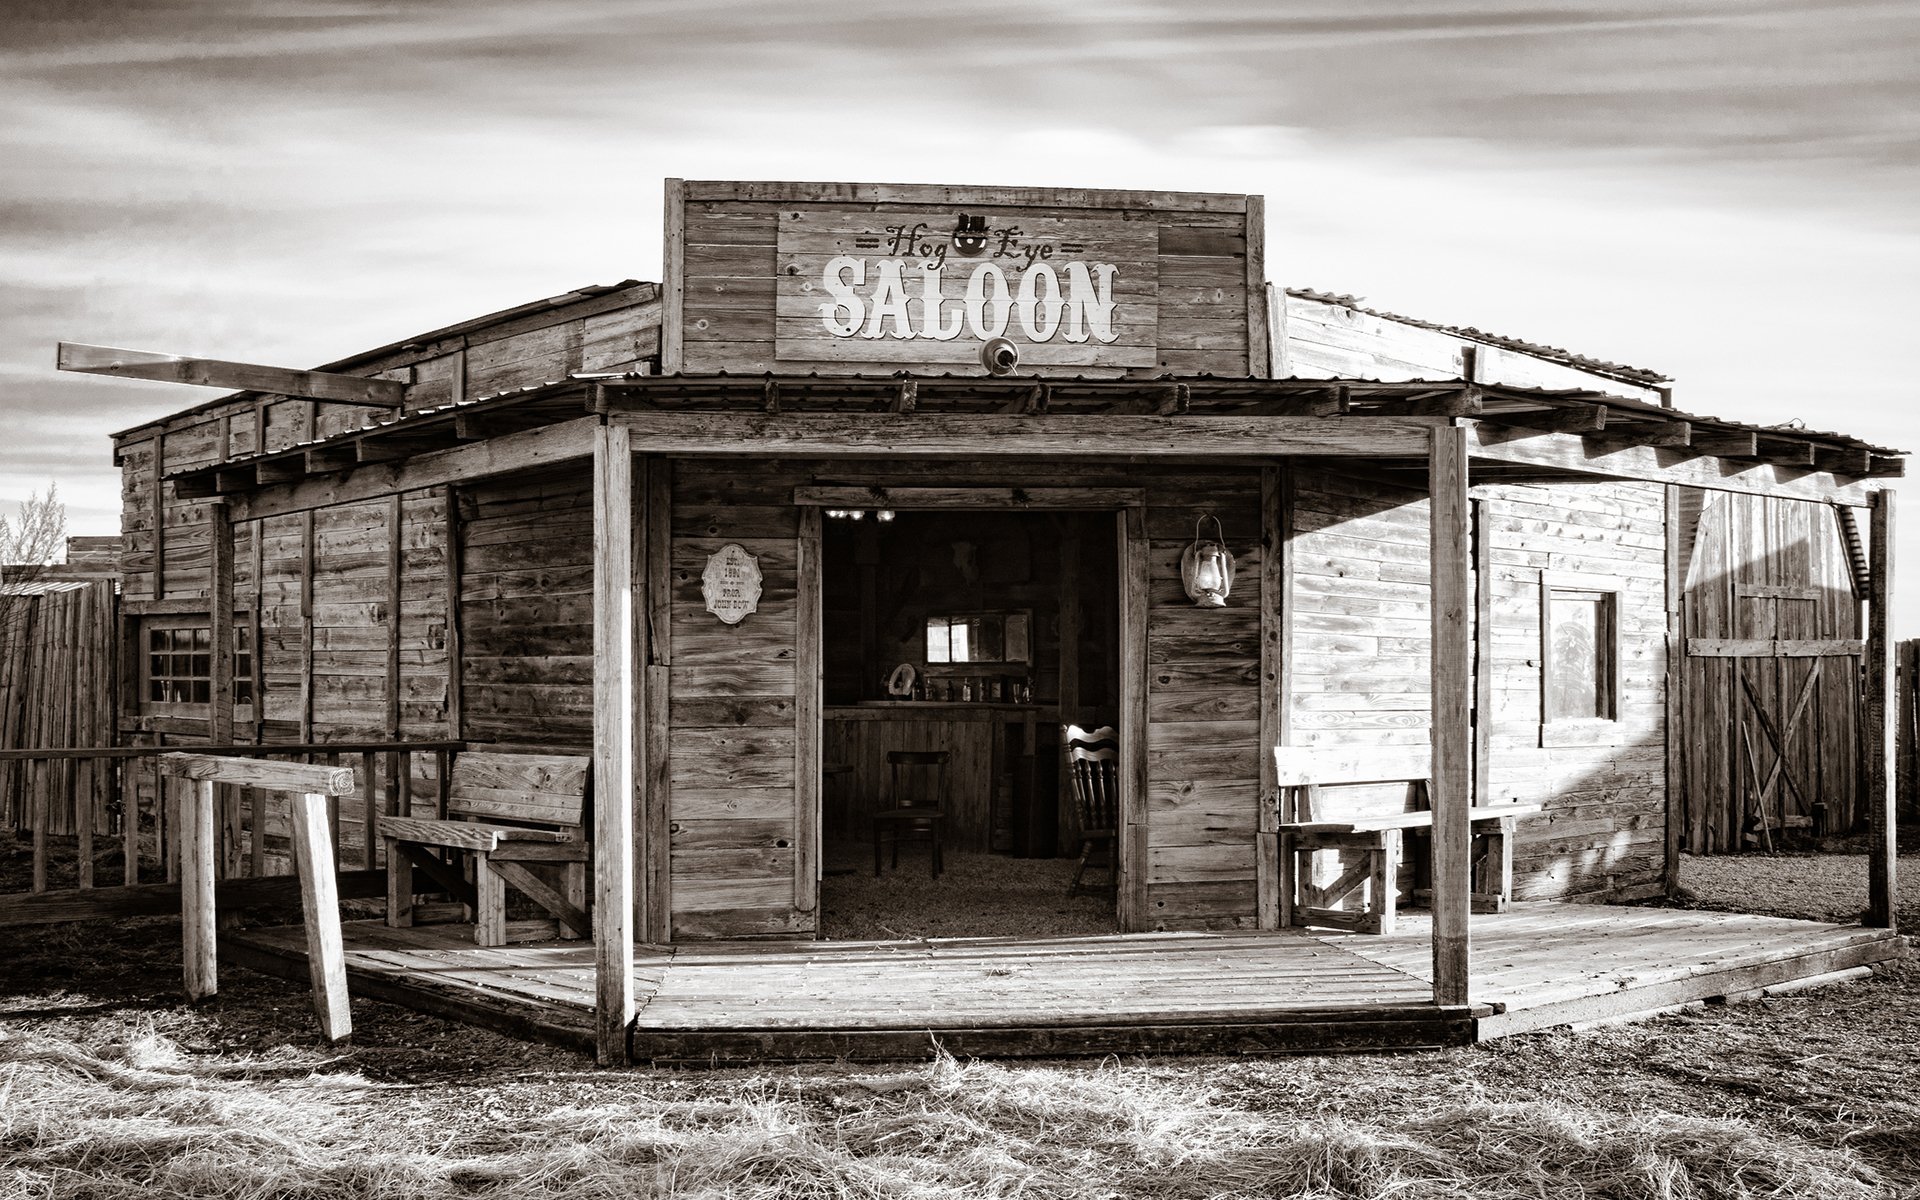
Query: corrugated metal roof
pixel 1637 375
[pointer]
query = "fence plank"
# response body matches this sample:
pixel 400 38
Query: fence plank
pixel 320 906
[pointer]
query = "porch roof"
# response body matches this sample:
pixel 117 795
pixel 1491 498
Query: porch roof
pixel 1520 432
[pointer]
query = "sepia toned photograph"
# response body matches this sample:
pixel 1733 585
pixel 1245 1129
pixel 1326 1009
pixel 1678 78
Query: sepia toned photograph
pixel 1045 601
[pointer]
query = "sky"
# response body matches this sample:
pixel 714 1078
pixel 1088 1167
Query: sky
pixel 1726 191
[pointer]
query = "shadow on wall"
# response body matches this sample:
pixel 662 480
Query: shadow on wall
pixel 1575 719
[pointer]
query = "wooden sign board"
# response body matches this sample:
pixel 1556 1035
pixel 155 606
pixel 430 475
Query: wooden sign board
pixel 848 278
pixel 925 288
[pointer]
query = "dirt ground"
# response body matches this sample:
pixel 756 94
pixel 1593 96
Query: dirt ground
pixel 110 1086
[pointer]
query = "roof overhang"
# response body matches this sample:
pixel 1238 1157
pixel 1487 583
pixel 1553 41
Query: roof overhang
pixel 1517 433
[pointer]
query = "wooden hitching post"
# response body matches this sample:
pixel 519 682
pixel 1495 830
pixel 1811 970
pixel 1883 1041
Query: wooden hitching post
pixel 1877 737
pixel 614 699
pixel 197 932
pixel 1451 787
pixel 320 906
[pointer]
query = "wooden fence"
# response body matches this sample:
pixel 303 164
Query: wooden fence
pixel 255 829
pixel 57 679
pixel 1906 776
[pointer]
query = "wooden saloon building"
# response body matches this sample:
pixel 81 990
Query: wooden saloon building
pixel 1380 612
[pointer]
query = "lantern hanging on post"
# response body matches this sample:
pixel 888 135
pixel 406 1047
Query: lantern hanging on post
pixel 1206 568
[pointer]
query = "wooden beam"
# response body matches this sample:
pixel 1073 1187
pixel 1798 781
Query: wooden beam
pixel 615 696
pixel 658 725
pixel 324 460
pixel 1878 737
pixel 261 773
pixel 1259 349
pixel 1090 499
pixel 1661 464
pixel 1564 418
pixel 1843 460
pixel 673 278
pixel 907 399
pixel 1725 443
pixel 1174 401
pixel 1450 787
pixel 1673 740
pixel 989 435
pixel 233 376
pixel 1645 433
pixel 545 446
pixel 1786 451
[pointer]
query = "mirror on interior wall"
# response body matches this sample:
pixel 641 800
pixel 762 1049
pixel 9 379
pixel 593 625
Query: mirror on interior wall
pixel 1000 637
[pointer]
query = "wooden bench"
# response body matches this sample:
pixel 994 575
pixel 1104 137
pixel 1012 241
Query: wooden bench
pixel 1304 829
pixel 507 814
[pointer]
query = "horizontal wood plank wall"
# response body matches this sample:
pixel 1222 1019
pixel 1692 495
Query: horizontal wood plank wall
pixel 1604 829
pixel 526 609
pixel 732 741
pixel 606 333
pixel 1744 543
pixel 1325 340
pixel 1361 640
pixel 1201 295
pixel 1203 709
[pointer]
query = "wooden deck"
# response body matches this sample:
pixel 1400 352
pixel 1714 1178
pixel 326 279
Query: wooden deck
pixel 1538 966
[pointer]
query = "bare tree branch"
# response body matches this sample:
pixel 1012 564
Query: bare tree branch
pixel 30 541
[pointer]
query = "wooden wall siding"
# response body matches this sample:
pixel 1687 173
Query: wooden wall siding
pixel 1325 340
pixel 733 740
pixel 1203 709
pixel 608 333
pixel 1359 670
pixel 526 600
pixel 1604 828
pixel 1744 542
pixel 730 281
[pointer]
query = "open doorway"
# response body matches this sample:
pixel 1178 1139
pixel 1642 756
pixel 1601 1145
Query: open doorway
pixel 956 646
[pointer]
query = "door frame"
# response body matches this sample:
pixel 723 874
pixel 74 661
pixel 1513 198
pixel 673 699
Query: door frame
pixel 1128 507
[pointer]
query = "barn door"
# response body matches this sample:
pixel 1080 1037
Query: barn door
pixel 1778 767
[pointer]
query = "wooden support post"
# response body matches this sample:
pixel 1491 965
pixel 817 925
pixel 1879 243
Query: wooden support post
pixel 1877 734
pixel 1675 782
pixel 615 696
pixel 657 875
pixel 451 536
pixel 320 906
pixel 197 920
pixel 1450 790
pixel 220 688
pixel 1130 857
pixel 1071 625
pixel 808 659
pixel 1266 850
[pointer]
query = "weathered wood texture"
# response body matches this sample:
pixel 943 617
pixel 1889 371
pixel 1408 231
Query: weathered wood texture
pixel 1764 575
pixel 611 332
pixel 58 661
pixel 1359 670
pixel 733 744
pixel 526 609
pixel 1325 340
pixel 1180 292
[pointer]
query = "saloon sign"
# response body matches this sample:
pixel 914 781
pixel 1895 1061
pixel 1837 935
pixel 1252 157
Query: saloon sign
pixel 902 289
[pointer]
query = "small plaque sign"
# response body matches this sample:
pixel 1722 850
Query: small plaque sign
pixel 731 583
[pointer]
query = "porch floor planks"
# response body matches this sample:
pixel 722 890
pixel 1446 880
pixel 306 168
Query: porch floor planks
pixel 1538 964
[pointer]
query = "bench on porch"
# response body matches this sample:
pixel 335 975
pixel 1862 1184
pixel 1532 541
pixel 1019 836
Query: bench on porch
pixel 1306 826
pixel 507 814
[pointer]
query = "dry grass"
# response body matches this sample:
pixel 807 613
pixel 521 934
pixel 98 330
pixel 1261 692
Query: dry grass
pixel 111 1088
pixel 1816 887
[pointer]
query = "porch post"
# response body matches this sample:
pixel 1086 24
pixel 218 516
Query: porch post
pixel 614 700
pixel 1877 735
pixel 1450 789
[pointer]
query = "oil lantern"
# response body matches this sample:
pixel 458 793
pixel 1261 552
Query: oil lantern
pixel 1206 568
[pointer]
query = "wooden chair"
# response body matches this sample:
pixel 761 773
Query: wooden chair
pixel 1093 764
pixel 1364 895
pixel 507 813
pixel 909 812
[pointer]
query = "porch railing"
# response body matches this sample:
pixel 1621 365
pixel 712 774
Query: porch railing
pixel 254 829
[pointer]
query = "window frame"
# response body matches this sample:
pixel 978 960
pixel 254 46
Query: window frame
pixel 1602 730
pixel 243 681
